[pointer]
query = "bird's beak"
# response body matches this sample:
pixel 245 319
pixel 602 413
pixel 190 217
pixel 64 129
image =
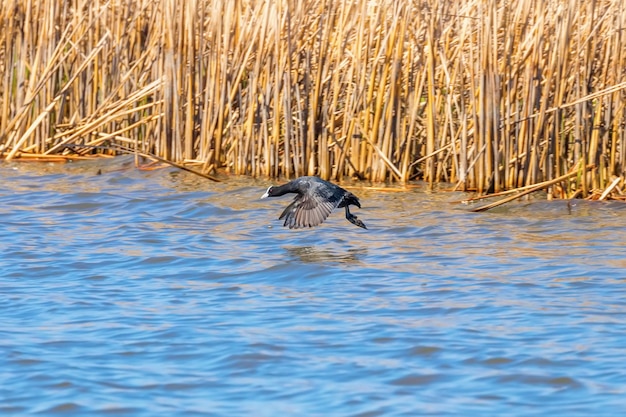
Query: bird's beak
pixel 265 195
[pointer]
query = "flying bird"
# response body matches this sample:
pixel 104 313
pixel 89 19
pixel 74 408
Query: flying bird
pixel 315 199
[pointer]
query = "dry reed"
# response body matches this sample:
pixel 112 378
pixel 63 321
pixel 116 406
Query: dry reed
pixel 487 95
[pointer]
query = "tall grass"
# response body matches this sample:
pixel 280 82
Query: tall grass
pixel 485 94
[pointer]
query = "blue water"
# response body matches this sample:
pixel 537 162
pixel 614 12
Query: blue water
pixel 145 293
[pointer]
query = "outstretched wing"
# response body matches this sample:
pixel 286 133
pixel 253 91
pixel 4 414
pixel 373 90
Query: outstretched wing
pixel 307 211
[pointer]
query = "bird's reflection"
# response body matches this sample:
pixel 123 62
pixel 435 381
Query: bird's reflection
pixel 311 254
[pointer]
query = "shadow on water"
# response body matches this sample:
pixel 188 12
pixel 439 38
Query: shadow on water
pixel 311 254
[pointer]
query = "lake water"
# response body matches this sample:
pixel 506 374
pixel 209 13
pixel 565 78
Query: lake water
pixel 158 293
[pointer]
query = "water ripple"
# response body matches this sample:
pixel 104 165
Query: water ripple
pixel 158 293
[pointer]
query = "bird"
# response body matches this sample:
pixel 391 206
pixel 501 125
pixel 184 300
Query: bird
pixel 314 201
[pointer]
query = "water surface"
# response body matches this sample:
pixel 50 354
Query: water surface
pixel 147 293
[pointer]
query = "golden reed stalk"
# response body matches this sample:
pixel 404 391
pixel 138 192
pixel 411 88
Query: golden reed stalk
pixel 487 95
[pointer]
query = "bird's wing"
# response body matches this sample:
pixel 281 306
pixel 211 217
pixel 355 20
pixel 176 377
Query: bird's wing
pixel 307 211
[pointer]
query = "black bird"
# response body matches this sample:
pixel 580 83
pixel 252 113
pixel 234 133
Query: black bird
pixel 314 201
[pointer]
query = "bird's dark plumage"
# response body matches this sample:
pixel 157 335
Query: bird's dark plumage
pixel 314 201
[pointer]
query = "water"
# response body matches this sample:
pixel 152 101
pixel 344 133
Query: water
pixel 145 293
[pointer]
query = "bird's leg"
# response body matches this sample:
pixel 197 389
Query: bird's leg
pixel 353 219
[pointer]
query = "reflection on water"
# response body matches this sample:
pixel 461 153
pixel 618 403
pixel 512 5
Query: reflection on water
pixel 311 254
pixel 159 293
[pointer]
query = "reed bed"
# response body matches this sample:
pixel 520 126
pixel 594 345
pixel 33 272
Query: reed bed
pixel 484 94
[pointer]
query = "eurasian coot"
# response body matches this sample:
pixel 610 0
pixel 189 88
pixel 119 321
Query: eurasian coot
pixel 314 201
